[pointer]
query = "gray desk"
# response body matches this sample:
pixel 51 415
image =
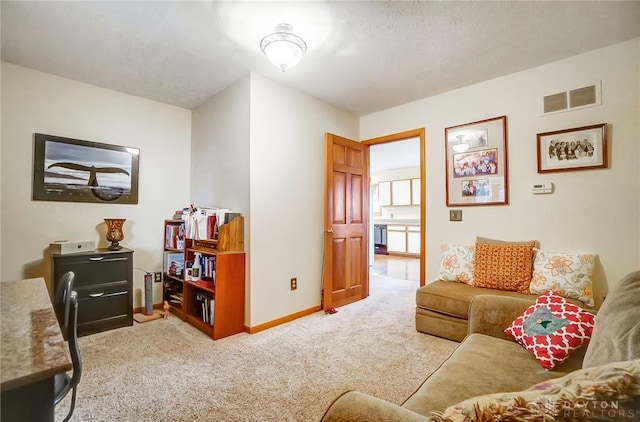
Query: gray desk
pixel 33 351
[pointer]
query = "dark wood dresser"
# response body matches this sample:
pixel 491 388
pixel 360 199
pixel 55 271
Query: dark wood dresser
pixel 104 282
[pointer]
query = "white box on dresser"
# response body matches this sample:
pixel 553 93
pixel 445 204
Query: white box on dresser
pixel 63 247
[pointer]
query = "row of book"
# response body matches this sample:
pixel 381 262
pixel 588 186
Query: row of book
pixel 182 214
pixel 204 223
pixel 173 293
pixel 204 306
pixel 174 263
pixel 174 236
pixel 176 299
pixel 208 264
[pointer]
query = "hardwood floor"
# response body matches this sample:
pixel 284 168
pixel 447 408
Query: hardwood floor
pixel 405 268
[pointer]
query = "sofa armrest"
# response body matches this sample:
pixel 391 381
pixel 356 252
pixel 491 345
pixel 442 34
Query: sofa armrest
pixel 354 406
pixel 492 314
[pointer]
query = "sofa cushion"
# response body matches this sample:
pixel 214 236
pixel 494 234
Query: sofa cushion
pixel 552 328
pixel 568 274
pixel 491 314
pixel 457 263
pixel 504 267
pixel 354 406
pixel 616 335
pixel 480 239
pixel 453 299
pixel 607 392
pixel 481 365
pixel 441 325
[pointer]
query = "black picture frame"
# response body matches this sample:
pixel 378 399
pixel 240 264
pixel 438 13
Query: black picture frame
pixel 74 170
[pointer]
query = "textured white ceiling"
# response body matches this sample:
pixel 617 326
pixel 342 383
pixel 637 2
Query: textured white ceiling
pixel 362 56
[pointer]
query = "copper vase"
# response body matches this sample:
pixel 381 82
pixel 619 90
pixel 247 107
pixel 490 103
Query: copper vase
pixel 114 232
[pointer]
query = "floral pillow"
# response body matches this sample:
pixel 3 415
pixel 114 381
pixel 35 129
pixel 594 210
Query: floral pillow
pixel 457 263
pixel 552 328
pixel 606 392
pixel 568 274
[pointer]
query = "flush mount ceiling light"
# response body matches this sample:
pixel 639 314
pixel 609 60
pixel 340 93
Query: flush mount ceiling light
pixel 461 145
pixel 283 48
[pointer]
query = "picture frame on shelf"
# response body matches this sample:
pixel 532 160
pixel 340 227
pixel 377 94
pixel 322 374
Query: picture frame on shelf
pixel 73 170
pixel 581 148
pixel 476 163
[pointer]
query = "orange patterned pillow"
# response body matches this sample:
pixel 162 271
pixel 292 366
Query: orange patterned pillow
pixel 503 267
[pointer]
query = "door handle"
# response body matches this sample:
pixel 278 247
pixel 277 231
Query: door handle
pixel 330 231
pixel 96 294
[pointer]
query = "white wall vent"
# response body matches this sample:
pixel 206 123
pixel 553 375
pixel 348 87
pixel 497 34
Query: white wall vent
pixel 555 102
pixel 576 98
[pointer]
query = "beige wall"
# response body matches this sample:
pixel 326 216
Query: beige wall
pixel 276 135
pixel 220 157
pixel 268 141
pixel 220 150
pixel 287 195
pixel 38 102
pixel 595 210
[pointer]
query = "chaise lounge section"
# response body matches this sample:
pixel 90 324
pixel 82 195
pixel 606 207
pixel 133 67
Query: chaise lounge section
pixel 502 268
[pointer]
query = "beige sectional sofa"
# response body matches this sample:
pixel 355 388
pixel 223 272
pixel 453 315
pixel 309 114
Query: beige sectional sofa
pixel 489 362
pixel 442 306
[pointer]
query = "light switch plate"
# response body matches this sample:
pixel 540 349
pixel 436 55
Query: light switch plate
pixel 455 215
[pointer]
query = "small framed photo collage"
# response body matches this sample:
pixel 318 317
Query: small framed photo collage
pixel 476 163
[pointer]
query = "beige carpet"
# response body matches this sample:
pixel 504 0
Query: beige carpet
pixel 166 370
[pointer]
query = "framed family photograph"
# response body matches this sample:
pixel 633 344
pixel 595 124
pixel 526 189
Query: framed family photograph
pixel 476 163
pixel 74 170
pixel 580 148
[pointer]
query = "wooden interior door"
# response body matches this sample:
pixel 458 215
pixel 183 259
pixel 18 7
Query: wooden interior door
pixel 346 223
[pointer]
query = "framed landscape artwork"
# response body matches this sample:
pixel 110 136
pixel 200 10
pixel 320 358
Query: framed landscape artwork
pixel 476 163
pixel 73 170
pixel 579 148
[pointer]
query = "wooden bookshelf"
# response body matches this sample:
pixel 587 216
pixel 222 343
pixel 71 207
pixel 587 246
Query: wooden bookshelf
pixel 225 287
pixel 172 283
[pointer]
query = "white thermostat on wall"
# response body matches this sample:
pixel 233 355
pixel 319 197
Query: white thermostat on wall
pixel 542 187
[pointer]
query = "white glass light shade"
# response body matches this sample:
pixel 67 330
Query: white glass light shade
pixel 460 147
pixel 458 143
pixel 283 48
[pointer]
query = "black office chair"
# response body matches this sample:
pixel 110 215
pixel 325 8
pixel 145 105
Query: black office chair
pixel 68 312
pixel 61 303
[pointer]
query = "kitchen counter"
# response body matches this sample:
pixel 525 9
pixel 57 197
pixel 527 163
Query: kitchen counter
pixel 33 350
pixel 32 343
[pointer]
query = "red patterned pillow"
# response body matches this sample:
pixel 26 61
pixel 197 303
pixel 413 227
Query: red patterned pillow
pixel 552 328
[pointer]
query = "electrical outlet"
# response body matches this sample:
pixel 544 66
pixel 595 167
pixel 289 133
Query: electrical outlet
pixel 455 215
pixel 294 283
pixel 157 277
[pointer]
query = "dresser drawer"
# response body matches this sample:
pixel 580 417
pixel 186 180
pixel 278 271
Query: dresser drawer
pixel 104 282
pixel 98 269
pixel 102 301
